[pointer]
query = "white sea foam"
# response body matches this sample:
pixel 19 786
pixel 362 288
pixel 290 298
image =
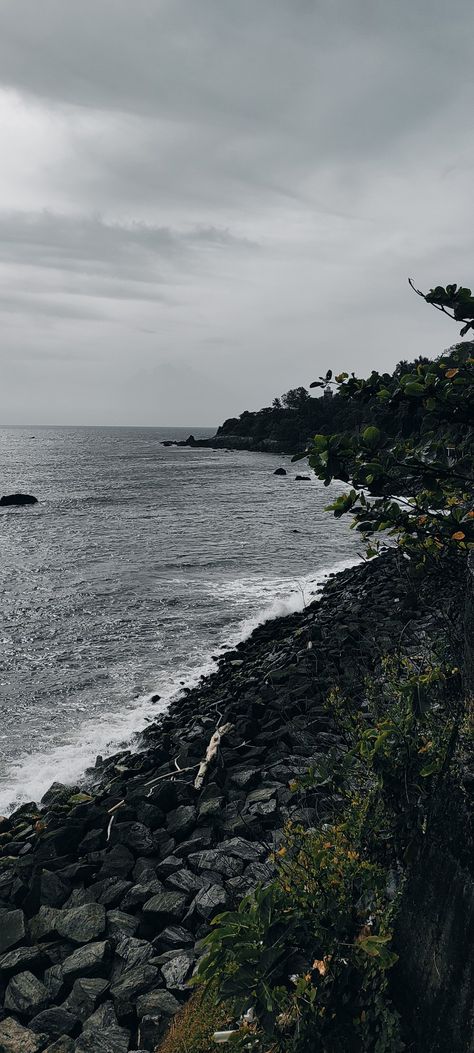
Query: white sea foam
pixel 30 777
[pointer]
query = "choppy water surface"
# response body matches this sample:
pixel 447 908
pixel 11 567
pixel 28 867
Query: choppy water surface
pixel 139 563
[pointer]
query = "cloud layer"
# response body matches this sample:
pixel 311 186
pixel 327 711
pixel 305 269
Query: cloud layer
pixel 202 205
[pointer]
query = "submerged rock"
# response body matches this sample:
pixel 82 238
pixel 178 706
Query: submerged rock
pixel 18 499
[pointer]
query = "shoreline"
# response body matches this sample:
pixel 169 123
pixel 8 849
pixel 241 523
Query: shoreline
pixel 138 713
pixel 118 884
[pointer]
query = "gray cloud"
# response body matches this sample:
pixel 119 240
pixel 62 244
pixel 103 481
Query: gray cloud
pixel 232 194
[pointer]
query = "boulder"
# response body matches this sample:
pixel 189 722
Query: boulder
pixel 21 958
pixel 209 901
pixel 55 1022
pixel 302 478
pixel 102 1033
pixel 181 821
pixel 12 929
pixel 173 936
pixel 85 996
pixel 119 923
pixel 91 960
pixel 157 1003
pixel 280 471
pixel 18 499
pixel 176 971
pixel 17 1039
pixel 215 859
pixel 64 1044
pixel 165 906
pixel 81 924
pixel 26 995
pixel 131 983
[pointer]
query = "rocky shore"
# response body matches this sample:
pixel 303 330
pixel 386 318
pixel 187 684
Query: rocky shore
pixel 106 889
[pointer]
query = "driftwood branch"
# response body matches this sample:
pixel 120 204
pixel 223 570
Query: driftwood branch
pixel 211 753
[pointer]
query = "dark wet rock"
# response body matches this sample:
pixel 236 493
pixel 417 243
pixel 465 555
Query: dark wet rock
pixel 168 866
pixel 303 478
pixel 176 971
pixel 44 923
pixel 58 793
pixel 157 1003
pixel 86 993
pixel 130 984
pixel 208 902
pixel 102 1033
pixel 17 1039
pixel 26 995
pixel 54 890
pixel 245 778
pixel 185 881
pixel 129 953
pixel 53 980
pixel 18 499
pixel 149 815
pixel 143 871
pixel 200 838
pixel 118 863
pixel 119 923
pixel 12 928
pixel 181 821
pixel 55 1022
pixel 173 936
pixel 280 471
pixel 110 891
pixel 21 958
pixel 249 851
pixel 91 960
pixel 151 1031
pixel 215 859
pixel 64 1044
pixel 211 809
pixel 139 894
pixel 82 924
pixel 134 836
pixel 164 906
pixel 165 796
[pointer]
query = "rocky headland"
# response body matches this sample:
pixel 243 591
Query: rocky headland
pixel 107 888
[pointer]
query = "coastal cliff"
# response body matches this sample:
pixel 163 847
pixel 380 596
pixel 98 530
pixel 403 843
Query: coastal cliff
pixel 107 889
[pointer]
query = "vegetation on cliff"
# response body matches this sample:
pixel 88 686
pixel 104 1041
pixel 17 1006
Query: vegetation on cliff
pixel 306 958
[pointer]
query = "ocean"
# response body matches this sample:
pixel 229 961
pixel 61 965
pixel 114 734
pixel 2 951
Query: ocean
pixel 137 567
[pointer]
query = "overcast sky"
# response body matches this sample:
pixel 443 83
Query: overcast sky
pixel 206 202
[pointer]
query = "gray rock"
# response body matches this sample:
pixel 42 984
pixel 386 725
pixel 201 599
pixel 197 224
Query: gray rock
pixel 138 894
pixel 173 936
pixel 110 891
pixel 102 1033
pixel 164 906
pixel 54 890
pixel 53 980
pixel 44 923
pixel 81 924
pixel 121 924
pixel 169 865
pixel 215 859
pixel 181 821
pixel 186 882
pixel 157 1003
pixel 21 958
pixel 209 901
pixel 118 862
pixel 64 1044
pixel 152 1029
pixel 26 995
pixel 55 1022
pixel 246 778
pixel 91 960
pixel 130 952
pixel 249 851
pixel 135 836
pixel 176 971
pixel 17 1039
pixel 12 929
pixel 130 984
pixel 85 996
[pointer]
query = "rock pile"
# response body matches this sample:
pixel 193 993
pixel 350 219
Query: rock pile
pixel 106 892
